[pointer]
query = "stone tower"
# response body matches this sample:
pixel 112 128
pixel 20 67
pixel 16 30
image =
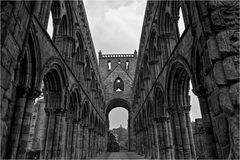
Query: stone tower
pixel 117 72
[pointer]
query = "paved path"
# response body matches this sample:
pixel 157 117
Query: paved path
pixel 119 155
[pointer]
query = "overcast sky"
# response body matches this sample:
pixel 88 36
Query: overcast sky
pixel 115 24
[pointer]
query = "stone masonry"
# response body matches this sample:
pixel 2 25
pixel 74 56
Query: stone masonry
pixel 55 96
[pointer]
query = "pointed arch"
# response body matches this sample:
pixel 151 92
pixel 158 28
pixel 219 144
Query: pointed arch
pixel 118 84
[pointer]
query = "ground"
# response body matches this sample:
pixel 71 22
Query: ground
pixel 119 155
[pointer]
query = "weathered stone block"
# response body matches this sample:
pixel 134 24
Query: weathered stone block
pixel 214 103
pixel 12 46
pixel 231 67
pixel 221 130
pixel 218 73
pixel 224 101
pixel 5 78
pixel 228 42
pixel 212 48
pixel 4 107
pixel 210 83
pixel 234 94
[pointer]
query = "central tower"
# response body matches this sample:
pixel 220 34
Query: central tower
pixel 117 71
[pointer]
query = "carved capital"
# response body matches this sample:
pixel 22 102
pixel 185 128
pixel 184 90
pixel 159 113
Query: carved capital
pixel 34 93
pixel 22 91
pixel 187 108
pixel 228 42
pixel 199 90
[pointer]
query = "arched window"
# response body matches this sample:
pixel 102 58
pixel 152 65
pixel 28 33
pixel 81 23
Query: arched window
pixel 181 24
pixel 127 65
pixel 63 26
pixel 118 85
pixel 109 65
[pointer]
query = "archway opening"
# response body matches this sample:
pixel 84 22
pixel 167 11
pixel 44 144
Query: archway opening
pixel 119 123
pixel 118 126
pixel 48 104
pixel 188 138
pixel 50 25
pixel 181 24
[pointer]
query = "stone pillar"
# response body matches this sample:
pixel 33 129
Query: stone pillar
pixel 160 138
pixel 63 134
pixel 190 133
pixel 157 155
pixel 85 141
pixel 79 140
pixel 58 114
pixel 148 138
pixel 68 126
pixel 184 132
pixel 168 136
pixel 24 134
pixel 45 132
pixel 74 139
pixel 19 108
pixel 153 142
pixel 38 140
pixel 90 142
pixel 56 24
pixel 178 149
pixel 50 134
pixel 95 144
pixel 210 150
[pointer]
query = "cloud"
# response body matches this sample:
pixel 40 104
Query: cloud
pixel 115 24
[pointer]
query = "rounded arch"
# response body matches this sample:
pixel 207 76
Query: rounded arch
pixel 75 102
pixel 85 113
pixel 178 77
pixel 117 102
pixel 178 71
pixel 56 63
pixel 159 109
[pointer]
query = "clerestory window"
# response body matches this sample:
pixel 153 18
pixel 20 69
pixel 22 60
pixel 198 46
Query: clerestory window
pixel 118 85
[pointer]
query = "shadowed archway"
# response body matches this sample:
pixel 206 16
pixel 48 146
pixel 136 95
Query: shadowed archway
pixel 118 102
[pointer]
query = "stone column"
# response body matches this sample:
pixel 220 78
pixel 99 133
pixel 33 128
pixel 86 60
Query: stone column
pixel 79 140
pixel 160 138
pixel 184 132
pixel 58 114
pixel 95 144
pixel 179 153
pixel 74 139
pixel 190 133
pixel 157 155
pixel 19 108
pixel 63 134
pixel 24 134
pixel 44 140
pixel 85 141
pixel 50 134
pixel 153 142
pixel 56 24
pixel 67 137
pixel 210 146
pixel 168 136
